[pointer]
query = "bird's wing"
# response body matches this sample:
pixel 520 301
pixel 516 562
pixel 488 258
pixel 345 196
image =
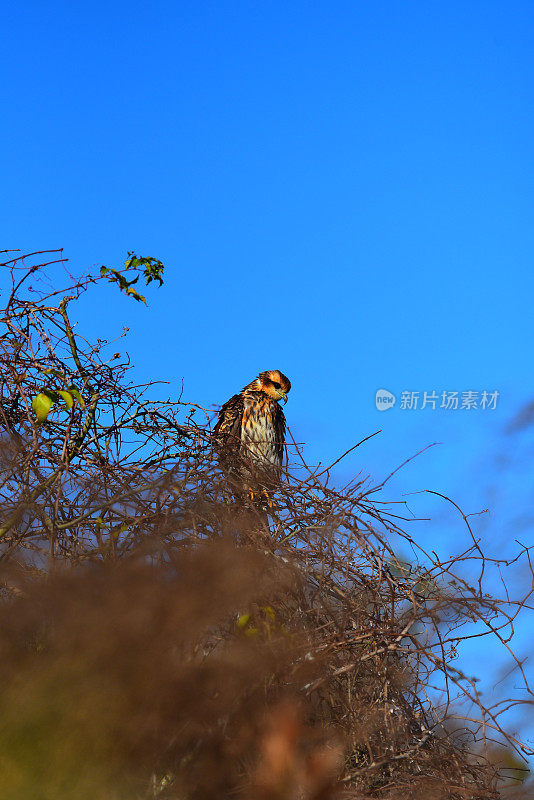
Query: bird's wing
pixel 280 432
pixel 227 431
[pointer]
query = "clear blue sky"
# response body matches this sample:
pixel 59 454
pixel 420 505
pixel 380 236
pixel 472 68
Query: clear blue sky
pixel 343 191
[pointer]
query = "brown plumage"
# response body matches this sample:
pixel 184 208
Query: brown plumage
pixel 250 433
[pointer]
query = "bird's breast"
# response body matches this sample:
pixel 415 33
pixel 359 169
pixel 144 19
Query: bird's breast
pixel 258 431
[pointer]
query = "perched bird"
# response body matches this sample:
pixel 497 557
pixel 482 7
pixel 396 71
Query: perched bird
pixel 250 433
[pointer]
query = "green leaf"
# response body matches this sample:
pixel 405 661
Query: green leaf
pixel 136 295
pixel 103 271
pixel 132 262
pixel 67 397
pixel 41 405
pixel 75 393
pixel 55 372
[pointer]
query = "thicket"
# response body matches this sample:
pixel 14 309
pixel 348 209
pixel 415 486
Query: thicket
pixel 162 638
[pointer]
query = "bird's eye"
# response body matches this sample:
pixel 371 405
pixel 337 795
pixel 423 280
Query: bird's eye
pixel 276 385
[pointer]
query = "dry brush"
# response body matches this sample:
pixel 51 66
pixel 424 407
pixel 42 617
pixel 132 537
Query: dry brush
pixel 162 638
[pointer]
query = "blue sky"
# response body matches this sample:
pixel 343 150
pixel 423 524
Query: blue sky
pixel 339 190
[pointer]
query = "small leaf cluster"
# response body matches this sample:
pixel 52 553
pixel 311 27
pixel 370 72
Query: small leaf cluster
pixel 153 267
pixel 152 270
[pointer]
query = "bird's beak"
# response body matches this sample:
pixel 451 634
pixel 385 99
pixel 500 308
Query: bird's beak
pixel 283 396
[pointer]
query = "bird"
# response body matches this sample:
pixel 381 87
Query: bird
pixel 249 436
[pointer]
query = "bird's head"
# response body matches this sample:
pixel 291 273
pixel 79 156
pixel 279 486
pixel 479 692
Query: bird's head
pixel 273 383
